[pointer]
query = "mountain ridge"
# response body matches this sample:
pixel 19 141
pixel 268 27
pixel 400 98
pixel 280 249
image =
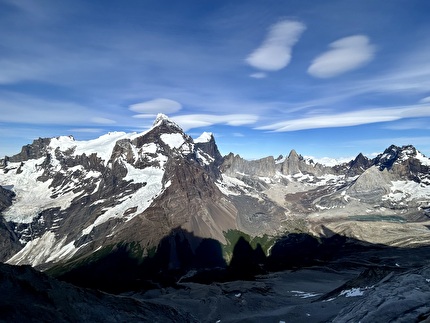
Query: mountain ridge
pixel 63 198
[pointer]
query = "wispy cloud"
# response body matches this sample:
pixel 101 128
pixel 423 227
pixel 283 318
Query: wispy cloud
pixel 259 75
pixel 346 54
pixel 346 119
pixel 385 142
pixel 87 130
pixel 425 100
pixel 205 120
pixel 275 51
pixel 19 108
pixel 160 105
pixel 102 120
pixel 408 125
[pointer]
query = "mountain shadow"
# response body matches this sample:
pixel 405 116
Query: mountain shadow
pixel 246 262
pixel 183 257
pixel 123 268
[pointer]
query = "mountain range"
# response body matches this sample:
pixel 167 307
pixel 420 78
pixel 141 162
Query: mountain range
pixel 161 200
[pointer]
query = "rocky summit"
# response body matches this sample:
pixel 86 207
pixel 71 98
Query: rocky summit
pixel 134 212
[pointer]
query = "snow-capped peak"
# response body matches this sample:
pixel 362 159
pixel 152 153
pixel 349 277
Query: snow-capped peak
pixel 204 137
pixel 163 119
pixel 159 119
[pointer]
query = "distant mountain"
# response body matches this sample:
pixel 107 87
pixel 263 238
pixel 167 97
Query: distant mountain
pixel 65 203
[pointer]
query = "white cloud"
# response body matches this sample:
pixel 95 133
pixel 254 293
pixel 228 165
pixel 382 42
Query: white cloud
pixel 425 100
pixel 205 120
pixel 145 116
pixel 160 105
pixel 346 54
pixel 346 119
pixel 423 142
pixel 102 120
pixel 87 130
pixel 28 109
pixel 409 124
pixel 258 75
pixel 275 51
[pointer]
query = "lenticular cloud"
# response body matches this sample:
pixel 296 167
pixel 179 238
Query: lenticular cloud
pixel 275 51
pixel 346 54
pixel 156 106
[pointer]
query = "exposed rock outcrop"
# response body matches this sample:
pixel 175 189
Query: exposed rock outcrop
pixel 261 167
pixel 371 185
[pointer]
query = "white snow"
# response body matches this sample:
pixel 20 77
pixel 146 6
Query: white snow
pixel 407 190
pixel 101 146
pixel 150 148
pixel 301 294
pixel 204 137
pixel 205 158
pixel 311 180
pixel 141 199
pixel 173 140
pixel 32 196
pixel 328 161
pixel 43 249
pixel 353 292
pixel 425 161
pixel 281 160
pixel 267 180
pixel 232 186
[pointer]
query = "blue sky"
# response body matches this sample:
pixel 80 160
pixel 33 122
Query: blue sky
pixel 327 78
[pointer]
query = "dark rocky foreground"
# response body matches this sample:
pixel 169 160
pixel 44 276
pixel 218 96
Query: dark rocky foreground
pixel 30 296
pixel 368 285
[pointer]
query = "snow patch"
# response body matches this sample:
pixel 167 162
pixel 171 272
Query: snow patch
pixel 101 146
pixel 408 191
pixel 43 249
pixel 141 199
pixel 205 158
pixel 425 161
pixel 301 294
pixel 173 140
pixel 232 186
pixel 353 292
pixel 32 196
pixel 204 137
pixel 150 148
pixel 328 161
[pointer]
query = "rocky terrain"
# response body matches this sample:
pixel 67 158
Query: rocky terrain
pixel 158 215
pixel 394 288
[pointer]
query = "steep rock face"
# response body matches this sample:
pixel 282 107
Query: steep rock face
pixel 208 154
pixel 371 185
pixel 9 241
pixel 358 165
pixel 235 164
pixel 206 143
pixel 32 151
pixel 408 163
pixel 191 201
pixel 6 197
pixel 295 163
pixel 77 197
